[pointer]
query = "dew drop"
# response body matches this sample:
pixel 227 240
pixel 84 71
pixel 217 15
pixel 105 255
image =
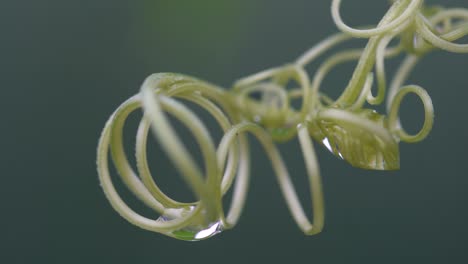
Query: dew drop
pixel 194 231
pixel 358 146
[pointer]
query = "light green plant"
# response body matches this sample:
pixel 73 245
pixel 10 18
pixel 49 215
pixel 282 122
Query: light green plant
pixel 348 126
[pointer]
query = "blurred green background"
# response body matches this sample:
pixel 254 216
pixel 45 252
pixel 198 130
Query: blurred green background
pixel 66 65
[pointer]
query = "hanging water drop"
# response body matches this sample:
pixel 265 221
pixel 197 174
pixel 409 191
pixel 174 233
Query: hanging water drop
pixel 356 144
pixel 196 230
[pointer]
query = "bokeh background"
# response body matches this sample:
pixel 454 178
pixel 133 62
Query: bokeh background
pixel 66 65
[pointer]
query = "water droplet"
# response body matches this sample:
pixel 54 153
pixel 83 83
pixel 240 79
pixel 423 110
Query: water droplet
pixel 196 231
pixel 356 145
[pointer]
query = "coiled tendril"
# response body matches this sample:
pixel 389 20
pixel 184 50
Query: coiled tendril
pixel 348 127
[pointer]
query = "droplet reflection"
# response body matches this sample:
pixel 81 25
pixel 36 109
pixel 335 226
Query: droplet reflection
pixel 195 231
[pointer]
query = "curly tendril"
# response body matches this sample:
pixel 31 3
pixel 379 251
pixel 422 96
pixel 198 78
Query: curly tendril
pixel 262 105
pixel 399 13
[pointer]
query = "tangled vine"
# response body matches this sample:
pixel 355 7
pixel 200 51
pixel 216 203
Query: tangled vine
pixel 347 126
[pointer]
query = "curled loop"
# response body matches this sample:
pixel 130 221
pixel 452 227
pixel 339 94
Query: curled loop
pixel 272 105
pixel 109 139
pixel 186 221
pixel 274 80
pixel 393 120
pixel 388 23
pixel 283 176
pixel 425 31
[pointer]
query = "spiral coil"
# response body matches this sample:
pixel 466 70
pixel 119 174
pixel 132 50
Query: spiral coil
pixel 347 126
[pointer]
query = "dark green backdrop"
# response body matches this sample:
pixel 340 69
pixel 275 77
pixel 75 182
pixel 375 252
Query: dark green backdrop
pixel 66 65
